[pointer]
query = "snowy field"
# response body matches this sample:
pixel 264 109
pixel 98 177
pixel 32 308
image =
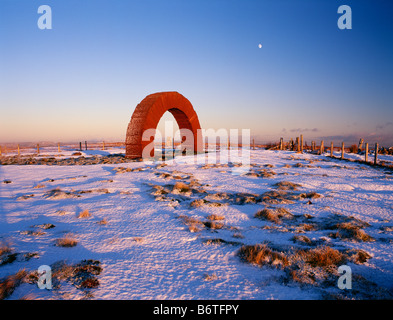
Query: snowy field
pixel 188 230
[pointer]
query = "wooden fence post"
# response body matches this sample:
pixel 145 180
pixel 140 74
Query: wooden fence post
pixel 38 148
pixel 366 153
pixel 80 146
pixel 18 150
pixel 85 145
pixel 173 147
pixel 301 143
pixel 297 145
pixel 322 149
pixel 342 150
pixel 281 143
pixel 331 149
pixel 253 144
pixel 376 154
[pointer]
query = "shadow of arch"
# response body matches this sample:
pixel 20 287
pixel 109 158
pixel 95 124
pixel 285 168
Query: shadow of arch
pixel 147 114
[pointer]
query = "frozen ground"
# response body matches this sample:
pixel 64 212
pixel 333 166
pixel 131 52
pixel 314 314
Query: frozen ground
pixel 151 229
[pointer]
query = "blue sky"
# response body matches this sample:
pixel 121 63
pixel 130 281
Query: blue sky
pixel 83 79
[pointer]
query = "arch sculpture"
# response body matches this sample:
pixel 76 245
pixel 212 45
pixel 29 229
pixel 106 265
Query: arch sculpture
pixel 147 114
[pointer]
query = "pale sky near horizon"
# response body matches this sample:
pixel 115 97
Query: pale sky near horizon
pixel 82 79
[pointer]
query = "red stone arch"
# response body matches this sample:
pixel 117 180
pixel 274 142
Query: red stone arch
pixel 148 113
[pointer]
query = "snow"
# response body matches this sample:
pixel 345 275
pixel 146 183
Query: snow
pixel 147 252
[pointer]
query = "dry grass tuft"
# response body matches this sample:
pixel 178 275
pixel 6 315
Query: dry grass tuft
pixel 358 256
pixel 350 231
pixel 312 195
pixel 202 202
pixel 84 214
pixel 10 283
pixel 82 275
pixel 194 224
pixel 210 277
pixel 66 242
pixel 215 217
pixel 302 239
pixel 213 225
pixel 274 215
pixel 261 254
pixel 277 197
pixel 323 256
pixel 4 248
pixel 267 214
pixel 181 187
pixel 103 222
pixel 198 203
pixel 306 227
pixel 286 185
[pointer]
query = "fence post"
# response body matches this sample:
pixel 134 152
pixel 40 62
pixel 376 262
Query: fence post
pixel 18 150
pixel 80 146
pixel 342 150
pixel 103 145
pixel 253 144
pixel 331 149
pixel 322 149
pixel 38 148
pixel 360 146
pixel 366 153
pixel 301 143
pixel 281 144
pixel 376 153
pixel 297 145
pixel 173 147
pixel 85 145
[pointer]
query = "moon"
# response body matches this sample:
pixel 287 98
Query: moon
pixel 260 46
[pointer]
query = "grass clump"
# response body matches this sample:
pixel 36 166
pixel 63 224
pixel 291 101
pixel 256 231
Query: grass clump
pixel 277 197
pixel 274 215
pixel 313 266
pixel 350 231
pixel 194 224
pixel 84 214
pixel 302 239
pixel 287 185
pixel 181 187
pixel 261 254
pixel 215 217
pixel 213 225
pixel 10 283
pixel 323 256
pixel 66 242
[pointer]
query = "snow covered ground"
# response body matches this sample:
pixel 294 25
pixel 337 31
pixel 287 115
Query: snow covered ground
pixel 174 230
